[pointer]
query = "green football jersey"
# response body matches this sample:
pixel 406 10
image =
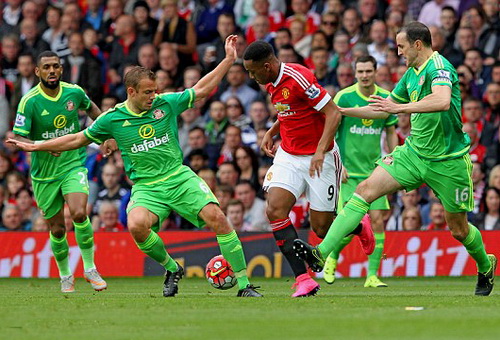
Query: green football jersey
pixel 438 135
pixel 41 117
pixel 359 139
pixel 149 141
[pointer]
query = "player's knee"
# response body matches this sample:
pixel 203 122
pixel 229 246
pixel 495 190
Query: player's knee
pixel 57 230
pixel 321 233
pixel 364 189
pixel 459 234
pixel 275 212
pixel 217 222
pixel 79 215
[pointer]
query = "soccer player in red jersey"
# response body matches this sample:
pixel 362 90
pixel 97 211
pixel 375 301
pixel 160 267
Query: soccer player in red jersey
pixel 306 161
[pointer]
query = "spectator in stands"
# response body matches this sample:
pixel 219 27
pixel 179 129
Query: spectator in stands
pixel 146 25
pixel 10 54
pixel 446 50
pixel 319 58
pixel 114 9
pixel 492 98
pixel 301 9
pixel 380 44
pixel 478 185
pixel 224 193
pixel 148 57
pixel 283 37
pixel 25 82
pixel 395 19
pixel 260 118
pixel 411 198
pixel 345 76
pixel 192 74
pixel 438 222
pixel 494 177
pixel 254 207
pixel 448 23
pixel 228 174
pixel 477 150
pixel 412 219
pixel 329 25
pixel 237 117
pixel 487 37
pixel 430 15
pixel 197 159
pixel 237 78
pixel 351 24
pixel 164 82
pixel 53 18
pixel 12 219
pixel 6 167
pixel 218 123
pixel 287 54
pixel 12 13
pixel 232 139
pixel 473 113
pixel 31 10
pixel 489 218
pixel 190 119
pixel 25 203
pixel 169 62
pixel 341 49
pixel 301 40
pixel 196 139
pixel 235 213
pixel 177 32
pixel 40 225
pixel 107 102
pixel 207 22
pixel 208 175
pixel 383 77
pixel 212 52
pixel 464 40
pixel 124 51
pixel 2 201
pixel 261 29
pixel 95 14
pixel 155 9
pixel 82 68
pixel 247 163
pixel 108 218
pixel 466 78
pixel 15 182
pixel 482 74
pixel 31 41
pixel 111 190
pixel 261 7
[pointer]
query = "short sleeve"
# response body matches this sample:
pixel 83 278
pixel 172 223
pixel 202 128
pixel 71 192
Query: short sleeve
pixel 441 77
pixel 308 88
pixel 22 124
pixel 100 130
pixel 179 101
pixel 85 103
pixel 391 120
pixel 400 94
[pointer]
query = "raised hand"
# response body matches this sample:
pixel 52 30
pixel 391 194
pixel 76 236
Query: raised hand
pixel 230 47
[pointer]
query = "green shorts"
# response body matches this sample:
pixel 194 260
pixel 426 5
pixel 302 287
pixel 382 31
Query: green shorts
pixel 347 189
pixel 50 195
pixel 449 179
pixel 185 193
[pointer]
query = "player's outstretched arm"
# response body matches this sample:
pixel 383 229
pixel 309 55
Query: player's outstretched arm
pixel 364 112
pixel 439 100
pixel 64 143
pixel 207 84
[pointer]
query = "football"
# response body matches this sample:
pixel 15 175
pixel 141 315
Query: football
pixel 219 273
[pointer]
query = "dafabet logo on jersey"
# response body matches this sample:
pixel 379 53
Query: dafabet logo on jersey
pixel 60 121
pixel 61 129
pixel 147 132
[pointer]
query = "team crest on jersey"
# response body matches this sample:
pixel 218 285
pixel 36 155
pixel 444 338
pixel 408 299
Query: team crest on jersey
pixel 285 92
pixel 157 114
pixel 421 80
pixel 70 106
pixel 367 122
pixel 269 176
pixel 388 160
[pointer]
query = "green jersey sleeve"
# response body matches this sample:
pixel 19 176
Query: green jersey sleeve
pixel 400 93
pixel 85 102
pixel 22 125
pixel 100 130
pixel 391 120
pixel 179 101
pixel 442 77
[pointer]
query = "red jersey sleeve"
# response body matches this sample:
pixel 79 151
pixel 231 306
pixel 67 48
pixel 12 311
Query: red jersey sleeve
pixel 307 87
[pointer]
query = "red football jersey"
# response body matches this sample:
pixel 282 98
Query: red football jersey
pixel 298 98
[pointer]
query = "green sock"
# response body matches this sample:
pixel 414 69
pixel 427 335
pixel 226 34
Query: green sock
pixel 345 241
pixel 85 238
pixel 60 249
pixel 475 247
pixel 376 256
pixel 155 248
pixel 345 223
pixel 231 249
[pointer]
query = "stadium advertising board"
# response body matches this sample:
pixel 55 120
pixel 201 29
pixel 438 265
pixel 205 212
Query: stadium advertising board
pixel 428 253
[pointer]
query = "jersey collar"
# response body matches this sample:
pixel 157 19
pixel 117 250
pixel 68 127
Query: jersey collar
pixel 46 96
pixel 358 91
pixel 280 75
pixel 417 72
pixel 132 112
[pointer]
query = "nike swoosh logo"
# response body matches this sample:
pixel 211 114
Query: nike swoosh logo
pixel 217 272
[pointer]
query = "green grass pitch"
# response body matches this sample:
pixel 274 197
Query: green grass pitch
pixel 133 308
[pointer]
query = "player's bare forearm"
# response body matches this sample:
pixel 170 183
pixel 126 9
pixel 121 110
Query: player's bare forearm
pixel 364 112
pixel 93 111
pixel 23 139
pixel 391 137
pixel 332 121
pixel 435 102
pixel 275 129
pixel 207 84
pixel 65 143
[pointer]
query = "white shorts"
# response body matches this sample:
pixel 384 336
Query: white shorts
pixel 291 172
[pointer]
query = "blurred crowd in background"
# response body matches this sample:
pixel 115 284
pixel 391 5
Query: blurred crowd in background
pixel 181 40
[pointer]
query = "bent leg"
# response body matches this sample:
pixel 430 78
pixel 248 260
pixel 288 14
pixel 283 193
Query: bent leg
pixel 229 243
pixel 378 184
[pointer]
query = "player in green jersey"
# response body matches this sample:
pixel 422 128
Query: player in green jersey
pixel 145 129
pixel 49 110
pixel 436 153
pixel 359 144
